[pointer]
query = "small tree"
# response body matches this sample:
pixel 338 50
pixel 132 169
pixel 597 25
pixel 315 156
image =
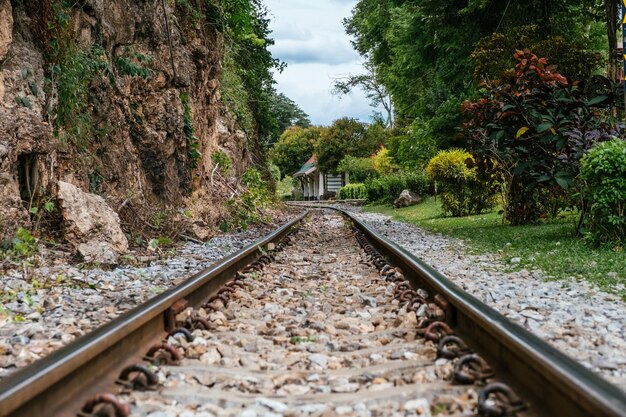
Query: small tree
pixel 344 137
pixel 374 90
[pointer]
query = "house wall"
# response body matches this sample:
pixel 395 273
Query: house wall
pixel 333 182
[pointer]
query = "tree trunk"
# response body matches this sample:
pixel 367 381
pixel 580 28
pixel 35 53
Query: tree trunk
pixel 612 25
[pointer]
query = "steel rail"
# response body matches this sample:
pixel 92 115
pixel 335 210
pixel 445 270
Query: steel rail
pixel 60 383
pixel 554 383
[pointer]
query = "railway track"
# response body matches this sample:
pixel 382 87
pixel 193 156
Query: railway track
pixel 322 317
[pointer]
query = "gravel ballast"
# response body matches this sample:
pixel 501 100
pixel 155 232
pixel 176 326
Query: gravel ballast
pixel 575 317
pixel 49 306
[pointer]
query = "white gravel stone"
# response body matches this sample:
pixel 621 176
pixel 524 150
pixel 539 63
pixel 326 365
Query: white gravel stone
pixel 576 317
pixel 272 404
pixel 75 301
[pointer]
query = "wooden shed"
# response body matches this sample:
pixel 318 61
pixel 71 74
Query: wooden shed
pixel 316 184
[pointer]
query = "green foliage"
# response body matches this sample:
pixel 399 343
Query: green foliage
pixel 193 144
pixel 24 244
pixel 387 188
pixel 287 114
pixel 284 187
pixel 294 148
pixel 159 243
pixel 248 207
pixel 355 191
pixel 604 172
pixel 525 123
pixel 275 172
pixel 344 137
pixel 235 94
pixel 359 169
pixel 493 55
pixel 383 163
pixel 134 64
pixel 72 76
pixel 456 174
pixel 221 159
pixel 419 52
pixel 72 68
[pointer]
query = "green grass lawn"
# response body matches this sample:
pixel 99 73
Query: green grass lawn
pixel 550 245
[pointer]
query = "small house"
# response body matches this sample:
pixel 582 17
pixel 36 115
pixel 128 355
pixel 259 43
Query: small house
pixel 318 185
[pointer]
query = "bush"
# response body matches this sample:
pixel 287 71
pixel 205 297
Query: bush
pixel 359 169
pixel 383 163
pixel 455 172
pixel 355 191
pixel 388 187
pixel 604 170
pixel 524 122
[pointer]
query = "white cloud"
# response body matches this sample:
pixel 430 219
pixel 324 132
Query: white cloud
pixel 309 36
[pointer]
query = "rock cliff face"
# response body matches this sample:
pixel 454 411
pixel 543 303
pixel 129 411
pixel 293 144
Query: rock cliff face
pixel 125 131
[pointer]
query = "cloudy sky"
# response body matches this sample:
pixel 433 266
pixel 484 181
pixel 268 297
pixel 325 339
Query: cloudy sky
pixel 310 38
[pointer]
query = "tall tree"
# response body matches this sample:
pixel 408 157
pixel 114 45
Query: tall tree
pixel 373 87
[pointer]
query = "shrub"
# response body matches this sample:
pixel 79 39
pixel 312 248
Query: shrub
pixel 388 187
pixel 524 122
pixel 359 169
pixel 356 191
pixel 455 172
pixel 383 163
pixel 604 170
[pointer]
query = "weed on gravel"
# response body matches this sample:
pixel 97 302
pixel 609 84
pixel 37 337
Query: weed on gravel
pixel 550 245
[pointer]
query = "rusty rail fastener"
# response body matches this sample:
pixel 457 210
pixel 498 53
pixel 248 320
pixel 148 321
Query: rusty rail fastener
pixel 451 347
pixel 170 314
pixel 163 354
pixel 144 378
pixel 436 330
pixel 181 330
pixel 499 400
pixel 104 405
pixel 471 368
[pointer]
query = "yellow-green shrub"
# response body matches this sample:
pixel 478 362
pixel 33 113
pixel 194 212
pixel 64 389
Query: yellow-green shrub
pixel 463 192
pixel 355 191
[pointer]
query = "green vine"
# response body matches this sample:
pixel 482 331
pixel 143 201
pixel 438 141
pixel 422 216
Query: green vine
pixel 192 141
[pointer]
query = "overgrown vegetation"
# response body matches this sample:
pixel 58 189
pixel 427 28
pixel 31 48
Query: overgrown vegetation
pixel 134 64
pixel 193 144
pixel 71 70
pixel 249 206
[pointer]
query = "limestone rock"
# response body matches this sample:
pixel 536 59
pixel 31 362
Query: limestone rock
pixel 6 27
pixel 91 225
pixel 407 198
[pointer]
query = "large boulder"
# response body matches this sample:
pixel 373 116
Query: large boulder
pixel 91 225
pixel 407 198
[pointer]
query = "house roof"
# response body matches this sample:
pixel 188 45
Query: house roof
pixel 309 167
